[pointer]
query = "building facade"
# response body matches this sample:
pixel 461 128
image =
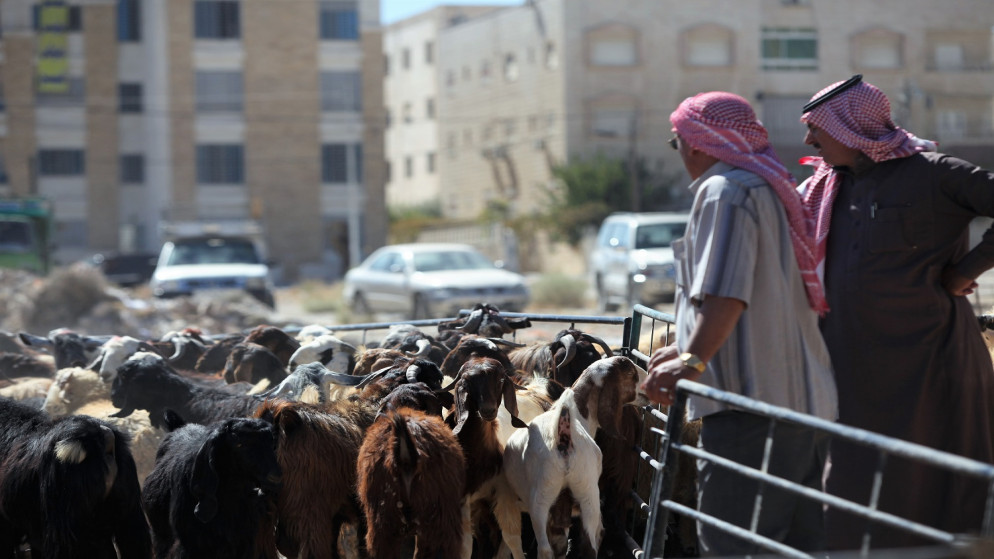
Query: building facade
pixel 199 110
pixel 526 87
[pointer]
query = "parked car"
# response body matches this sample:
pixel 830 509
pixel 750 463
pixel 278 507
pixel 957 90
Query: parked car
pixel 431 280
pixel 211 262
pixel 632 261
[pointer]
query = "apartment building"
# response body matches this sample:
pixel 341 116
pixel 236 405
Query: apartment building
pixel 525 87
pixel 131 113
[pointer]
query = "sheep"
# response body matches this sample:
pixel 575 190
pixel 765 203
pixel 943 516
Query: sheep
pixel 114 353
pixel 250 362
pixel 148 383
pixel 374 359
pixel 411 477
pixel 81 391
pixel 213 490
pixel 380 383
pixel 68 486
pixel 309 332
pixel 563 359
pixel 27 388
pixel 310 383
pixel 557 452
pixel 317 452
pixel 328 350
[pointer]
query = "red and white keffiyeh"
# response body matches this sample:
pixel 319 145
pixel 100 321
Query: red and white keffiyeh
pixel 723 125
pixel 859 118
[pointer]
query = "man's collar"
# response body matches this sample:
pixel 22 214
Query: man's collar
pixel 716 169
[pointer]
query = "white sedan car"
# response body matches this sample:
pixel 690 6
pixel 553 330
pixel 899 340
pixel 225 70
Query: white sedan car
pixel 431 280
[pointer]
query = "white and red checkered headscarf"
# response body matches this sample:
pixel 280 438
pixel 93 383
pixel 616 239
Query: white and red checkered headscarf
pixel 859 118
pixel 723 125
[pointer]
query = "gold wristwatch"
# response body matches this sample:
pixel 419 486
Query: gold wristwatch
pixel 692 361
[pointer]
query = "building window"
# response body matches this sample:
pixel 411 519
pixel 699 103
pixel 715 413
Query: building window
pixel 408 167
pixel 430 162
pixel 339 21
pixel 129 22
pixel 219 91
pixel 949 56
pixel 129 97
pixel 334 163
pixel 617 52
pixel 61 162
pixel 3 172
pixel 341 91
pixel 220 164
pixel 551 56
pixel 511 71
pixel 336 159
pixel 613 122
pixel 789 48
pixel 73 96
pixel 877 49
pixel 405 57
pixel 132 168
pixel 708 45
pixel 216 19
pixel 430 108
pixel 405 112
pixel 485 72
pixel 73 23
pixel 429 52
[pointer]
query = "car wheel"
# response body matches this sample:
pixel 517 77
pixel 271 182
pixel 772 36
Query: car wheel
pixel 359 304
pixel 420 308
pixel 604 304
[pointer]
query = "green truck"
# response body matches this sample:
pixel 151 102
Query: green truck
pixel 26 226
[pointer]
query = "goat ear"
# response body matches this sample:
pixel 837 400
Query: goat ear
pixel 609 407
pixel 511 403
pixel 462 407
pixel 203 485
pixel 585 390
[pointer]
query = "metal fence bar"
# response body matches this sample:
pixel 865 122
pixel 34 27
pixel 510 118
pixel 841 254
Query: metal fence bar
pixel 665 461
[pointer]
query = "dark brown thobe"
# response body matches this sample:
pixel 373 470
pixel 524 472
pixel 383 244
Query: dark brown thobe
pixel 909 358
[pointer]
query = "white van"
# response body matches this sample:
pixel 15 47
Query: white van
pixel 632 261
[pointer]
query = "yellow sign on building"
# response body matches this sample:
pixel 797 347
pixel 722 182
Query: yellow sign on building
pixel 53 46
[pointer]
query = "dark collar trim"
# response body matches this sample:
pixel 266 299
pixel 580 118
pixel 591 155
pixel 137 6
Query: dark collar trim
pixel 832 93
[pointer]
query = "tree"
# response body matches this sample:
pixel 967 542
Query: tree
pixel 588 190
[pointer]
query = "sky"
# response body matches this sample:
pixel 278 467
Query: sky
pixel 394 10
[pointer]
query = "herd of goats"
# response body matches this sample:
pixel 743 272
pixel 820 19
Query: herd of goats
pixel 266 444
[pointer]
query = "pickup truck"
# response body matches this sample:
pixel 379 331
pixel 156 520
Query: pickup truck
pixel 204 257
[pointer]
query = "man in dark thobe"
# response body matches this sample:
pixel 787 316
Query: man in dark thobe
pixel 892 220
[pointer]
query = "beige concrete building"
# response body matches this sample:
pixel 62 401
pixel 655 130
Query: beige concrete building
pixel 411 95
pixel 202 110
pixel 527 86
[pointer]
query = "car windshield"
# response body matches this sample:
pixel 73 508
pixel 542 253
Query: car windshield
pixel 213 251
pixel 658 235
pixel 442 260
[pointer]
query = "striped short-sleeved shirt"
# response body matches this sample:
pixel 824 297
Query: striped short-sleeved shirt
pixel 738 245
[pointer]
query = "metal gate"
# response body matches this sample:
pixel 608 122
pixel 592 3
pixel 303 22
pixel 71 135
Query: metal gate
pixel 668 447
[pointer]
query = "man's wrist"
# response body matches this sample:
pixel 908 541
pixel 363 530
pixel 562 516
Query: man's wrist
pixel 693 361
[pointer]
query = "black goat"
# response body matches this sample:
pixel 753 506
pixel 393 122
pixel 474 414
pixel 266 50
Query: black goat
pixel 69 348
pixel 68 486
pixel 148 383
pixel 213 490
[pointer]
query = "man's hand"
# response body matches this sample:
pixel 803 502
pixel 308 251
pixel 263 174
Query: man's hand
pixel 665 369
pixel 955 284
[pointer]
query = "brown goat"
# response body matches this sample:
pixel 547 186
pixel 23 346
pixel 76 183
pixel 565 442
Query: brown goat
pixel 249 362
pixel 317 452
pixel 275 340
pixel 411 478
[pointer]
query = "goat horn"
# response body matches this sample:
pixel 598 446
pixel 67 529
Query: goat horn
pixel 424 346
pixel 508 343
pixel 473 322
pixel 608 352
pixel 453 383
pixel 343 379
pixel 180 344
pixel 569 343
pixel 372 376
pixel 412 371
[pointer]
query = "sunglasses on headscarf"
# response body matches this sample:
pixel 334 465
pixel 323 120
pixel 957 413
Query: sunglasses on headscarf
pixel 675 142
